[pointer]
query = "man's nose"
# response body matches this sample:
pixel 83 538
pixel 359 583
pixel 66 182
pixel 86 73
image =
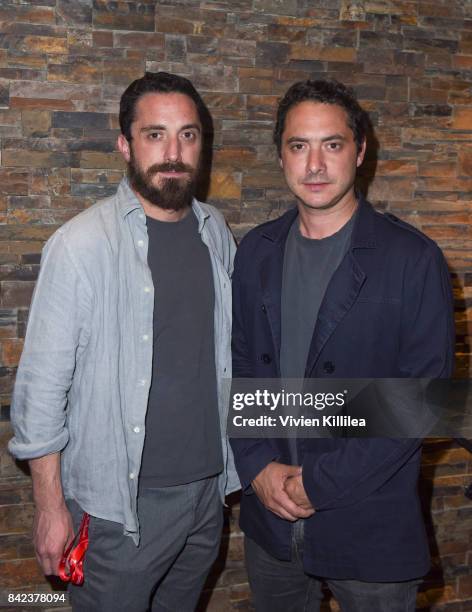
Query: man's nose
pixel 316 161
pixel 173 150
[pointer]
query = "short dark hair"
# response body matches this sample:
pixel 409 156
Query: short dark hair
pixel 326 92
pixel 157 82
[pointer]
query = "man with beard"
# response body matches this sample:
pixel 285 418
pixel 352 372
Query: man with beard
pixel 119 404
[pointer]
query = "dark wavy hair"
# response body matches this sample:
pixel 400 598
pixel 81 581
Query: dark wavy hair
pixel 326 92
pixel 158 82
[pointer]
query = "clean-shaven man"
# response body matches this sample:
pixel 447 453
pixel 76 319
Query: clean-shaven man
pixel 334 289
pixel 119 404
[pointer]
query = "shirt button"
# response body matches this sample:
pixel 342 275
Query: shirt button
pixel 145 337
pixel 136 430
pixel 142 382
pixel 132 476
pixel 140 243
pixel 147 289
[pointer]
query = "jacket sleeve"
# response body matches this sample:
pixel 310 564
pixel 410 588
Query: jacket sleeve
pixel 250 455
pixel 358 467
pixel 56 333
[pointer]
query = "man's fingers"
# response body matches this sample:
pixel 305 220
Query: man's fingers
pixel 293 487
pixel 47 565
pixel 52 532
pixel 49 562
pixel 295 509
pixel 281 511
pixel 44 564
pixel 290 507
pixel 293 470
pixel 284 515
pixel 269 487
pixel 286 509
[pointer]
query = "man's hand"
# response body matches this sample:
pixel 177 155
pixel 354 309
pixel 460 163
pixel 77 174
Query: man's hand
pixel 296 491
pixel 52 532
pixel 269 486
pixel 52 528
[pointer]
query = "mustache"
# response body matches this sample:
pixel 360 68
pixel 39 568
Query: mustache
pixel 169 167
pixel 315 176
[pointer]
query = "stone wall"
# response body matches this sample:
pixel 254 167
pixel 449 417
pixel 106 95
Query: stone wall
pixel 63 66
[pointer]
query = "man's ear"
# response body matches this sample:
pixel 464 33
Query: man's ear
pixel 281 163
pixel 361 154
pixel 123 147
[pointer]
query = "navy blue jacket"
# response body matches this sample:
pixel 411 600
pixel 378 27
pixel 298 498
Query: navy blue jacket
pixel 387 313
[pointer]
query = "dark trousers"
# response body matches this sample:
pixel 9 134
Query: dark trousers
pixel 180 535
pixel 283 586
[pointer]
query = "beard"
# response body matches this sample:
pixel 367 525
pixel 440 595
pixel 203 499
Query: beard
pixel 173 193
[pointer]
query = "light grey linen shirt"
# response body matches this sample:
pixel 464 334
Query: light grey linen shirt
pixel 84 376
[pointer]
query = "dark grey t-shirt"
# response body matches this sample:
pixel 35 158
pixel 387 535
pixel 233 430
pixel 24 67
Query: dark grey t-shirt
pixel 182 442
pixel 308 267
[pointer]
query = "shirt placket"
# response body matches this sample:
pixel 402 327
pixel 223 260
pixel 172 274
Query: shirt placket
pixel 143 290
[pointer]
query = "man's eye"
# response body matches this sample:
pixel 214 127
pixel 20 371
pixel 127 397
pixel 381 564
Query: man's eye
pixel 189 135
pixel 154 135
pixel 334 146
pixel 297 146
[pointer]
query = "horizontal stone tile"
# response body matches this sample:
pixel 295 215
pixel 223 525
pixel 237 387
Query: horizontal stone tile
pixel 275 7
pixel 272 53
pixel 174 25
pixel 138 39
pixel 41 103
pixel 81 120
pixel 15 294
pixel 78 12
pixel 11 352
pixel 67 91
pixel 77 70
pixel 37 159
pixel 13 181
pixel 95 159
pixel 123 15
pixel 462 119
pixel 312 52
pixel 29 13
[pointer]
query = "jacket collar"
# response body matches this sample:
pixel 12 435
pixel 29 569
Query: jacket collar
pixel 363 232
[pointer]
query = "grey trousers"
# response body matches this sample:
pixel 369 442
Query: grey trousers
pixel 180 537
pixel 283 586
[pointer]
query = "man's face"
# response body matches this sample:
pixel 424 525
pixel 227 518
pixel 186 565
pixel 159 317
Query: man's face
pixel 319 156
pixel 164 151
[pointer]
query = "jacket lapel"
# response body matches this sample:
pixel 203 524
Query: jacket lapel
pixel 341 294
pixel 344 286
pixel 271 285
pixel 342 290
pixel 271 272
